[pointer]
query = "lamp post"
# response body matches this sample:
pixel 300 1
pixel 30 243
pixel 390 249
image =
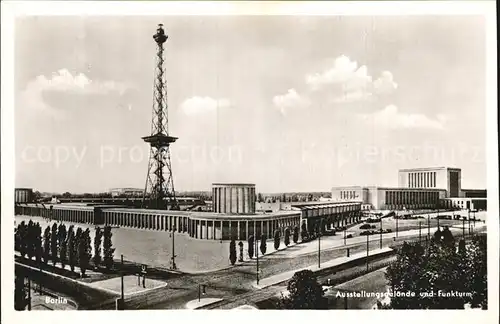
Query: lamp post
pixel 201 291
pixel 257 255
pixel 463 228
pixel 419 232
pixel 344 236
pixel 428 227
pixel 121 281
pixel 381 230
pixel 367 249
pixel 319 245
pixel 397 226
pixel 174 266
pixel 468 216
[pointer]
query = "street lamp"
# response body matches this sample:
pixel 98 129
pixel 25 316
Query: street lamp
pixel 367 249
pixel 173 266
pixel 319 243
pixel 381 221
pixel 257 255
pixel 201 291
pixel 344 235
pixel 419 232
pixel 428 227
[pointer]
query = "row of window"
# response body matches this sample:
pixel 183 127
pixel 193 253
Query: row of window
pixel 350 194
pixel 410 197
pixel 422 179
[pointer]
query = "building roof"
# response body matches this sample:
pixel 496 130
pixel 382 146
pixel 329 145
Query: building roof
pixel 428 169
pixel 234 184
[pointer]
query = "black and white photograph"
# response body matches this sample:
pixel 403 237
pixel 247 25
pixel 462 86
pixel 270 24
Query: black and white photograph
pixel 216 161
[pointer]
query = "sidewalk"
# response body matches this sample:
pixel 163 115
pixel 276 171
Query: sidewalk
pixel 279 278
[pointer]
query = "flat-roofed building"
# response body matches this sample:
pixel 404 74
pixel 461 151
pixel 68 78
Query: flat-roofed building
pixel 131 192
pixel 418 188
pixel 446 178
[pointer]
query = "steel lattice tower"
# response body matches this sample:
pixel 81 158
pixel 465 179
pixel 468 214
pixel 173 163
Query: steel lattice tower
pixel 159 192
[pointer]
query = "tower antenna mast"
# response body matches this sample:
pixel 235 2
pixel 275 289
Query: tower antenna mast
pixel 159 192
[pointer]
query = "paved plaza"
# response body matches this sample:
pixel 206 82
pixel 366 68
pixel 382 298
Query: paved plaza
pixel 130 283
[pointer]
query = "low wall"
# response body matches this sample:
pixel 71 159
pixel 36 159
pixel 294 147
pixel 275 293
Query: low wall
pixel 81 293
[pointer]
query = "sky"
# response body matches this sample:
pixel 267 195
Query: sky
pixel 290 103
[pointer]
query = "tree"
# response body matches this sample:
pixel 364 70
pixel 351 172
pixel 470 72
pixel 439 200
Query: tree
pixel 263 244
pixel 19 293
pixel 53 244
pixel 38 242
pixel 304 234
pixel 97 247
pixel 295 234
pixel 46 244
pixel 277 239
pixel 475 268
pixel 260 198
pixel 287 236
pixel 72 248
pixel 30 240
pixel 448 239
pixel 304 292
pixel 23 238
pixel 108 249
pixel 232 252
pixel 251 243
pixel 63 244
pixel 438 270
pixel 241 251
pixel 84 251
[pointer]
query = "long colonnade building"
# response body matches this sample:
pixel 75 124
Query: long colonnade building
pixel 237 222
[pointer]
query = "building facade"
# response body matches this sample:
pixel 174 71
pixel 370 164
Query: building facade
pixel 389 198
pixel 233 198
pixel 129 192
pixel 435 178
pixel 419 188
pixel 23 195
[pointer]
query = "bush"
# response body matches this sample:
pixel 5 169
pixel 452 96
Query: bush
pixel 365 226
pixel 97 247
pixel 46 244
pixel 295 237
pixel 241 251
pixel 349 236
pixel 232 252
pixel 276 239
pixel 263 244
pixel 53 244
pixel 287 236
pixel 108 249
pixel 251 245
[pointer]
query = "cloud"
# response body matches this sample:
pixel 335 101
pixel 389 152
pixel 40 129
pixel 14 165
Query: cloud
pixel 290 100
pixel 391 118
pixel 199 105
pixel 344 73
pixel 346 82
pixel 63 81
pixel 385 84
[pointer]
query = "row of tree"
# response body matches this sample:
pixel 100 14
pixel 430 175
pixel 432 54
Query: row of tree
pixel 66 246
pixel 442 266
pixel 263 244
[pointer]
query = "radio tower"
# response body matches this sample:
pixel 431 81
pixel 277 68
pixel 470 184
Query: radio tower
pixel 159 191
